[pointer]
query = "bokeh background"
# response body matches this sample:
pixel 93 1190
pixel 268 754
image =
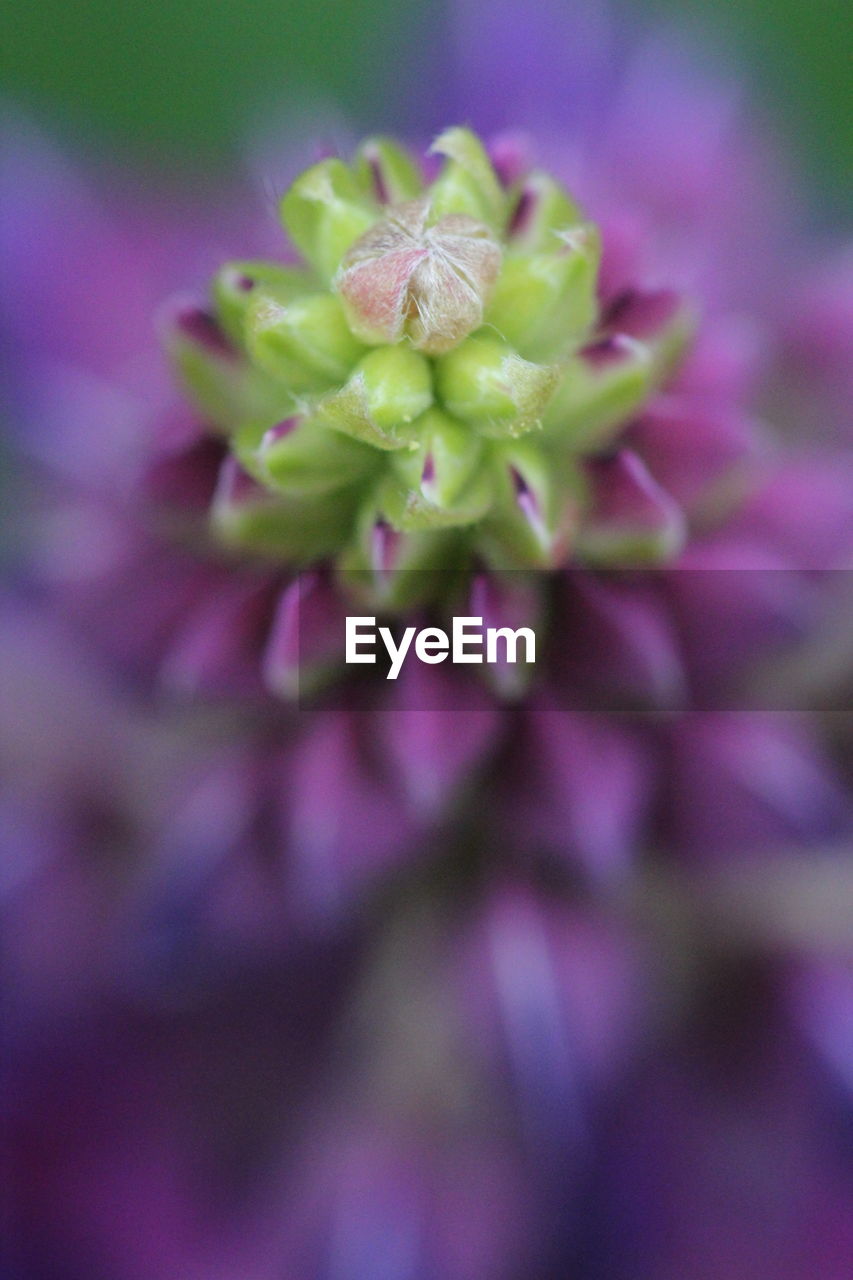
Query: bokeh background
pixel 183 84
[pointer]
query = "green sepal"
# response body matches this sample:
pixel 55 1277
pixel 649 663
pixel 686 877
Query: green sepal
pixel 389 388
pixel 305 342
pixel 603 386
pixel 467 182
pixel 237 284
pixel 325 211
pixel 387 172
pixel 484 382
pixel 668 347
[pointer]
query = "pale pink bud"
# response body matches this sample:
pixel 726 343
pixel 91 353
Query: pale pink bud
pixel 431 282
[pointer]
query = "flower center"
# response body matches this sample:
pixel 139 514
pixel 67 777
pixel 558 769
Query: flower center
pixel 408 277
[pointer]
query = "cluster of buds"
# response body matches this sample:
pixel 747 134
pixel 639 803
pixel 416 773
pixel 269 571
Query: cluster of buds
pixel 431 388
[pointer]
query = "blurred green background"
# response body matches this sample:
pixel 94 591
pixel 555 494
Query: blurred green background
pixel 176 82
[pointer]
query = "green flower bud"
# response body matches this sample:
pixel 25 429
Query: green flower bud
pixel 485 382
pixel 606 382
pixel 303 456
pixel 296 529
pixel 467 183
pixel 446 482
pixel 598 392
pixel 236 285
pixel 433 384
pixel 387 172
pixel 389 388
pixel 304 342
pixel 534 520
pixel 543 302
pixel 325 211
pixel 395 569
pixel 543 211
pixel 221 383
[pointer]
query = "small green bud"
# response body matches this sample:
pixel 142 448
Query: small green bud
pixel 543 210
pixel 444 483
pixel 543 302
pixel 599 390
pixel 606 382
pixel 485 382
pixel 395 569
pixel 215 374
pixel 467 183
pixel 387 172
pixel 534 519
pixel 388 389
pixel 305 342
pixel 296 529
pixel 236 285
pixel 302 455
pixel 325 211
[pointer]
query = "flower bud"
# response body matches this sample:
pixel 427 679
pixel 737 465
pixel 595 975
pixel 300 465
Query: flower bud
pixel 294 529
pixel 393 569
pixel 643 336
pixel 305 342
pixel 542 212
pixel 484 381
pixel 467 183
pixel 442 484
pixel 600 388
pixel 411 275
pixel 305 646
pixel 303 456
pixel 543 302
pixel 507 600
pixel 660 318
pixel 375 399
pixel 215 374
pixel 325 211
pixel 388 389
pixel 534 518
pixel 236 285
pixel 632 520
pixel 387 171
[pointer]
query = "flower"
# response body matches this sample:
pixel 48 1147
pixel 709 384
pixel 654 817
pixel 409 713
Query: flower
pixel 425 389
pixel 607 424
